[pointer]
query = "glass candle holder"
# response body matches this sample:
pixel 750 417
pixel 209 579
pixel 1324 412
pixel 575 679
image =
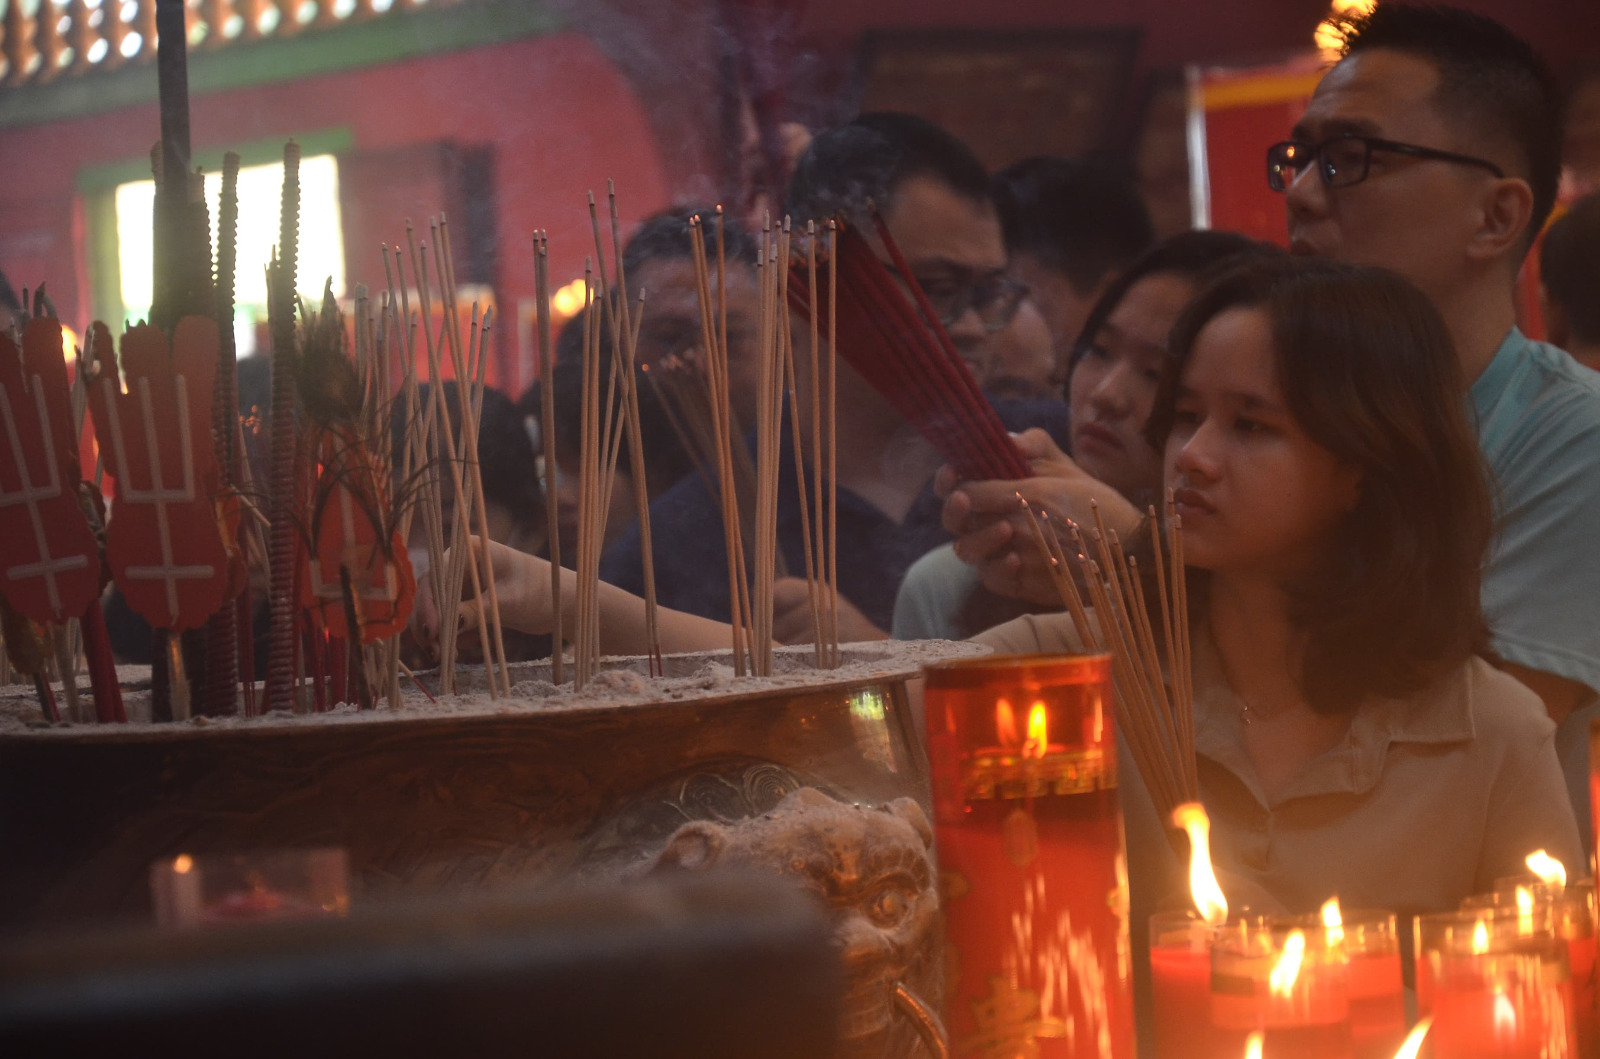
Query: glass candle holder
pixel 1180 972
pixel 194 891
pixel 1495 979
pixel 1031 858
pixel 1374 979
pixel 1287 980
pixel 1572 916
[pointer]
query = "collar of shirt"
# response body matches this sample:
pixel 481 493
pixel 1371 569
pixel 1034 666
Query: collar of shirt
pixel 1439 715
pixel 1495 381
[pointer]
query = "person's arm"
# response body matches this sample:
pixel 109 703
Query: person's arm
pixel 522 583
pixel 996 536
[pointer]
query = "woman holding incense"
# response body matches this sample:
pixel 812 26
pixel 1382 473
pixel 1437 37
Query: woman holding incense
pixel 1110 387
pixel 1349 738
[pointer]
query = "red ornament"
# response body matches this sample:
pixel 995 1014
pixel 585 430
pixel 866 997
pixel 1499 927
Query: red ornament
pixel 347 510
pixel 51 567
pixel 165 541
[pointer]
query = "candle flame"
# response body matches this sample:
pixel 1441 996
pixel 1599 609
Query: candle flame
pixel 1413 1042
pixel 1287 970
pixel 183 864
pixel 1332 922
pixel 1480 939
pixel 1524 911
pixel 1252 1045
pixel 1209 899
pixel 1550 871
pixel 1038 732
pixel 1005 723
pixel 1505 1016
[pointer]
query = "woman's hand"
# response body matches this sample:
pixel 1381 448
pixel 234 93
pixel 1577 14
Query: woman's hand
pixel 995 535
pixel 521 581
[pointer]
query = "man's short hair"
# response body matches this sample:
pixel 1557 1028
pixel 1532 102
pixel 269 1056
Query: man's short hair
pixel 851 166
pixel 665 237
pixel 1490 81
pixel 1569 266
pixel 1081 217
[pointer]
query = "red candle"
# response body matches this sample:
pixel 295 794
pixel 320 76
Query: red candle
pixel 1498 984
pixel 1031 858
pixel 1374 983
pixel 1180 970
pixel 1289 985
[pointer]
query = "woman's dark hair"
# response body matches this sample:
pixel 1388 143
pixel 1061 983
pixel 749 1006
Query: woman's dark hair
pixel 1193 254
pixel 1367 369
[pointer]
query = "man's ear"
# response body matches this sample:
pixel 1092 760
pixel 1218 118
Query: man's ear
pixel 695 846
pixel 1506 211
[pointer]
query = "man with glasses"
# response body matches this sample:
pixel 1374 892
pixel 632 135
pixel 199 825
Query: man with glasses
pixel 1433 148
pixel 935 198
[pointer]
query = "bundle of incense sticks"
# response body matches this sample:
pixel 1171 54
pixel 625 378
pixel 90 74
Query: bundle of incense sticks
pixel 683 392
pixel 624 335
pixel 438 455
pixel 1155 688
pixel 751 602
pixel 901 348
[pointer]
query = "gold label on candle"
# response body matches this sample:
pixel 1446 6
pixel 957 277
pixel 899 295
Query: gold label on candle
pixel 1012 776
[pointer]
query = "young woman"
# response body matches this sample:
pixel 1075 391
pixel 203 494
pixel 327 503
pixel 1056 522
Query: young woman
pixel 1110 387
pixel 1335 518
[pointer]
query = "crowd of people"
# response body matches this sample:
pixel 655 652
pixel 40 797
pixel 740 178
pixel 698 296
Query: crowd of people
pixel 1389 491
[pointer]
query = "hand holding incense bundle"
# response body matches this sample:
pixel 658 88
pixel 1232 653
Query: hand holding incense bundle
pixel 901 348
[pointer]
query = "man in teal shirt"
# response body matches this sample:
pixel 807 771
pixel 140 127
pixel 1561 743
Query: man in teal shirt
pixel 1433 148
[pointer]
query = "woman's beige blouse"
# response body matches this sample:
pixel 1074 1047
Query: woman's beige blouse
pixel 1426 801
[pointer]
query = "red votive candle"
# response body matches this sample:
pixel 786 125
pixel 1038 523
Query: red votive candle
pixel 1180 972
pixel 1374 983
pixel 1031 857
pixel 1289 984
pixel 1498 984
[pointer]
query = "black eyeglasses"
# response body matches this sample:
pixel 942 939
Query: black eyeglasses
pixel 995 298
pixel 1345 159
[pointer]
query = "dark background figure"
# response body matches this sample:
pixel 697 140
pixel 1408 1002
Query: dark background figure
pixel 1569 271
pixel 935 197
pixel 1070 225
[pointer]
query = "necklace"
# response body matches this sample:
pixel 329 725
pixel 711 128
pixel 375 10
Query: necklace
pixel 1248 714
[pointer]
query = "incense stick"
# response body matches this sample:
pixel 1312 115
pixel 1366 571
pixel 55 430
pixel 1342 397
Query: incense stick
pixel 1154 700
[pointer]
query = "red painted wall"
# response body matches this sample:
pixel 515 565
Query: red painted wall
pixel 558 116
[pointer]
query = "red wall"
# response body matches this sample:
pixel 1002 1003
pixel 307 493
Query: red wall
pixel 559 118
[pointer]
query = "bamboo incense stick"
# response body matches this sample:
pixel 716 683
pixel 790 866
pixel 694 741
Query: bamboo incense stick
pixel 547 439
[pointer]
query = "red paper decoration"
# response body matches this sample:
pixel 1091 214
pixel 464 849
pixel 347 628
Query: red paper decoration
pixel 165 541
pixel 51 565
pixel 348 497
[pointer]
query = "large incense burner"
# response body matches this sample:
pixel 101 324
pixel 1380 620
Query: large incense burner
pixel 817 775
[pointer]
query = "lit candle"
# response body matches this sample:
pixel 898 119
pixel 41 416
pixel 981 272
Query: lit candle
pixel 1497 985
pixel 1180 955
pixel 1030 853
pixel 1288 984
pixel 1374 983
pixel 1180 971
